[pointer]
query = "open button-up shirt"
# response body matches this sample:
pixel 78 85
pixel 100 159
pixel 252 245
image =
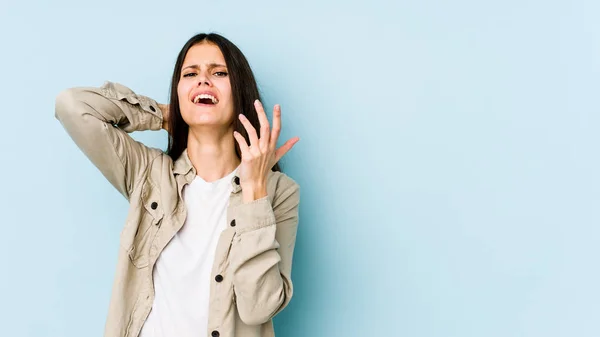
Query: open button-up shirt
pixel 252 267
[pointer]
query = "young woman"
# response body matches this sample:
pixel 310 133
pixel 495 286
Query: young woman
pixel 207 245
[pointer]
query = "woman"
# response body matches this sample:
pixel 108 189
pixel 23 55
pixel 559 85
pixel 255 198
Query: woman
pixel 207 245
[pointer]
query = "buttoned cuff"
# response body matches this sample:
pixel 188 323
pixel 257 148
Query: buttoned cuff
pixel 151 117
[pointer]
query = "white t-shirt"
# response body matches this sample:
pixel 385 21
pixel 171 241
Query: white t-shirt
pixel 182 275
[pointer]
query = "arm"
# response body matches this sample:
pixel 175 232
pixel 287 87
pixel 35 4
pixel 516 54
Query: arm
pixel 99 120
pixel 262 254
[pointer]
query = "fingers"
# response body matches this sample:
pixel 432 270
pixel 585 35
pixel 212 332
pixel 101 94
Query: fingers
pixel 269 137
pixel 276 126
pixel 250 130
pixel 242 142
pixel 264 125
pixel 285 148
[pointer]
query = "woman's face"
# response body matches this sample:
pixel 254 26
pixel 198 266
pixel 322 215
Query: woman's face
pixel 204 89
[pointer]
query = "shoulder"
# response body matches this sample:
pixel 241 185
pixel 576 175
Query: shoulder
pixel 160 165
pixel 281 181
pixel 283 189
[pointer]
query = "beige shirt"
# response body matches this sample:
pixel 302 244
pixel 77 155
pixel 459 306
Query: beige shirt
pixel 252 268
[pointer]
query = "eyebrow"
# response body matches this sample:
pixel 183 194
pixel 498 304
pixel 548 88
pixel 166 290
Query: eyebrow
pixel 210 66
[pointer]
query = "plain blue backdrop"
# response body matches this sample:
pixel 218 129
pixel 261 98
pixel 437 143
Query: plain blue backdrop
pixel 448 162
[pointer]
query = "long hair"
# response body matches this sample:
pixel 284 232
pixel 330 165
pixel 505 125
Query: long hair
pixel 243 89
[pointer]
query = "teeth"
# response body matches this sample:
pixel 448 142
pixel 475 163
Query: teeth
pixel 206 96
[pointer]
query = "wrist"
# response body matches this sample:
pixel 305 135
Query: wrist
pixel 164 109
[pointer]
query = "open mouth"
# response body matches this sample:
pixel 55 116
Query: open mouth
pixel 205 99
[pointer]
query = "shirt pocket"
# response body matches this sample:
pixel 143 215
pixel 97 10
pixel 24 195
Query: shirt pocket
pixel 142 226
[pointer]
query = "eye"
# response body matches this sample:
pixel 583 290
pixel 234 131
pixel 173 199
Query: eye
pixel 189 75
pixel 220 74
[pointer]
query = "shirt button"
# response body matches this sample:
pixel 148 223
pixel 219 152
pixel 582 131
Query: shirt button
pixel 232 223
pixel 219 278
pixel 154 205
pixel 236 180
pixel 215 333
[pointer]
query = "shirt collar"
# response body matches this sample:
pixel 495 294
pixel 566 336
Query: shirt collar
pixel 183 165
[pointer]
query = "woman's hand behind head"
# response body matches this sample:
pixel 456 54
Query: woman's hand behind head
pixel 164 108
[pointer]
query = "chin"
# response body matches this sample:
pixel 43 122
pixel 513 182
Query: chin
pixel 198 117
pixel 201 121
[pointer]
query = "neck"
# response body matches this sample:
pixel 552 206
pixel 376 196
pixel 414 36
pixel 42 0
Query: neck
pixel 212 152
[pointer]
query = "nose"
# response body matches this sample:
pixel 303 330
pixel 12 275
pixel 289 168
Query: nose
pixel 203 79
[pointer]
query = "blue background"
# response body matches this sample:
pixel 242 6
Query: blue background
pixel 449 159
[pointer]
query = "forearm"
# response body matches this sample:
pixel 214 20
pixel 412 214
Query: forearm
pixel 260 288
pixel 98 120
pixel 115 104
pixel 262 256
